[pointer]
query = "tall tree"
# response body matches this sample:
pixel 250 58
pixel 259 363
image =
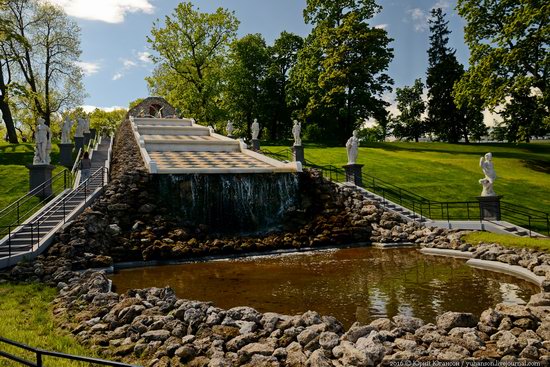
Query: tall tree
pixel 246 74
pixel 47 59
pixel 509 50
pixel 283 56
pixel 344 64
pixel 444 118
pixel 523 117
pixel 409 123
pixel 191 48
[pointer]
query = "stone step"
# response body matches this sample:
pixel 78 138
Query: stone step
pixel 145 130
pixel 162 122
pixel 194 146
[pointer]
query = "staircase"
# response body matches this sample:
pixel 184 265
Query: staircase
pixel 33 236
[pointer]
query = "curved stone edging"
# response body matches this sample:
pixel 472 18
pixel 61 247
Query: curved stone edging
pixel 513 270
pixel 449 253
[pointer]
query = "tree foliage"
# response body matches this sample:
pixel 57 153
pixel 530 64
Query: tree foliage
pixel 409 124
pixel 340 73
pixel 191 48
pixel 509 49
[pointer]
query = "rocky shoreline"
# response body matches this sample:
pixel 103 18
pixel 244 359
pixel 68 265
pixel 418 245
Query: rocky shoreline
pixel 153 326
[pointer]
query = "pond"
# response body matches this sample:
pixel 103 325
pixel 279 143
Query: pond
pixel 353 284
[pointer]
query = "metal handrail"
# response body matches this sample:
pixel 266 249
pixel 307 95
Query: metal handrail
pixel 39 353
pixel 75 165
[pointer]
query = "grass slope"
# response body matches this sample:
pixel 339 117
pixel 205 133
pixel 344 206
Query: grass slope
pixel 449 172
pixel 505 240
pixel 26 316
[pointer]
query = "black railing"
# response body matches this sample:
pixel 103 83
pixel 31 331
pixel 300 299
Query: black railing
pixel 39 355
pixel 34 228
pixel 21 209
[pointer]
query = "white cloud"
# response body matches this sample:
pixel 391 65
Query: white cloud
pixel 89 108
pixel 443 4
pixel 88 68
pixel 110 11
pixel 128 64
pixel 419 19
pixel 381 26
pixel 144 57
pixel 118 76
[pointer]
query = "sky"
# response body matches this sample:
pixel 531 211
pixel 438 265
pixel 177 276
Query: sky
pixel 115 51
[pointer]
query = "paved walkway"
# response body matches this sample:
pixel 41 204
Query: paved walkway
pixel 33 237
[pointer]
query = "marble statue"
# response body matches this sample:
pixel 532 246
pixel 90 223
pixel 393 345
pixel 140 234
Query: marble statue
pixel 86 126
pixel 229 128
pixel 296 130
pixel 66 131
pixel 43 139
pixel 255 129
pixel 486 164
pixel 352 146
pixel 79 133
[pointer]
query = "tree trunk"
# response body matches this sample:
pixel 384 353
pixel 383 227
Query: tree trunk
pixel 8 119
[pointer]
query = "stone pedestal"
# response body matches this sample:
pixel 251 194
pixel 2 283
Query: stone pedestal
pixel 87 137
pixel 354 174
pixel 39 174
pixel 66 155
pixel 255 144
pixel 489 207
pixel 93 133
pixel 298 153
pixel 78 142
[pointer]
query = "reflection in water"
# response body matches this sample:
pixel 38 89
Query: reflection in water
pixel 351 284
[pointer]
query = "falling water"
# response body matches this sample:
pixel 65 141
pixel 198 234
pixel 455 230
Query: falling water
pixel 232 203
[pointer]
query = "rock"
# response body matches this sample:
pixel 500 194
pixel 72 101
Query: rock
pixel 351 356
pixel 508 343
pixel 186 352
pixel 257 348
pixel 404 344
pixel 240 341
pixel 537 300
pixel 372 347
pixel 530 352
pixel 156 335
pixel 382 324
pixel 357 331
pixel 408 323
pixel 328 340
pixel 513 311
pixel 544 330
pixel 310 333
pixel 245 314
pixel 311 318
pixel 318 359
pixel 114 230
pixel 450 320
pixel 295 356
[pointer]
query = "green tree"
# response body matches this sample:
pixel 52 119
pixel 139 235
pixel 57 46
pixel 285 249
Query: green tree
pixel 106 122
pixel 342 68
pixel 509 51
pixel 246 74
pixel 523 117
pixel 445 119
pixel 47 58
pixel 409 124
pixel 191 48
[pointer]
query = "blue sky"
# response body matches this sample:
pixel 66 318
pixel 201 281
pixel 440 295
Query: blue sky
pixel 115 50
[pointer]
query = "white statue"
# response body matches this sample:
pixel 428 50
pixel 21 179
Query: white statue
pixel 352 146
pixel 86 126
pixel 486 164
pixel 79 133
pixel 43 141
pixel 229 128
pixel 296 130
pixel 66 131
pixel 255 129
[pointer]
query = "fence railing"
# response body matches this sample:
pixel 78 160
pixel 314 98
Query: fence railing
pixel 59 211
pixel 39 355
pixel 422 208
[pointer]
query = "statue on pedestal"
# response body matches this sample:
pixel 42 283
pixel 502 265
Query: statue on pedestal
pixel 66 131
pixel 296 130
pixel 486 164
pixel 255 129
pixel 352 146
pixel 79 133
pixel 86 126
pixel 43 139
pixel 229 128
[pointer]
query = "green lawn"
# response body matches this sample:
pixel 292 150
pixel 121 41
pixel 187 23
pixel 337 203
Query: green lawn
pixel 449 172
pixel 14 175
pixel 26 314
pixel 507 240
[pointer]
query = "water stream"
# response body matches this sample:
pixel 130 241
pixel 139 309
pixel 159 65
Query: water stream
pixel 351 284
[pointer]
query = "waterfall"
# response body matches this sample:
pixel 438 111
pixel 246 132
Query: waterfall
pixel 231 203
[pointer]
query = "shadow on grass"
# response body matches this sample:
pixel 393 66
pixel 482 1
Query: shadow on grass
pixel 537 165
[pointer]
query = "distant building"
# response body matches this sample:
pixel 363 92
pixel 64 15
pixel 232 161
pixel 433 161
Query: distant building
pixel 153 107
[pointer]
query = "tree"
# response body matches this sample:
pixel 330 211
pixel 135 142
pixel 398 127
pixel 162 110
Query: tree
pixel 47 59
pixel 509 51
pixel 107 122
pixel 445 119
pixel 246 74
pixel 523 117
pixel 409 124
pixel 191 49
pixel 341 70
